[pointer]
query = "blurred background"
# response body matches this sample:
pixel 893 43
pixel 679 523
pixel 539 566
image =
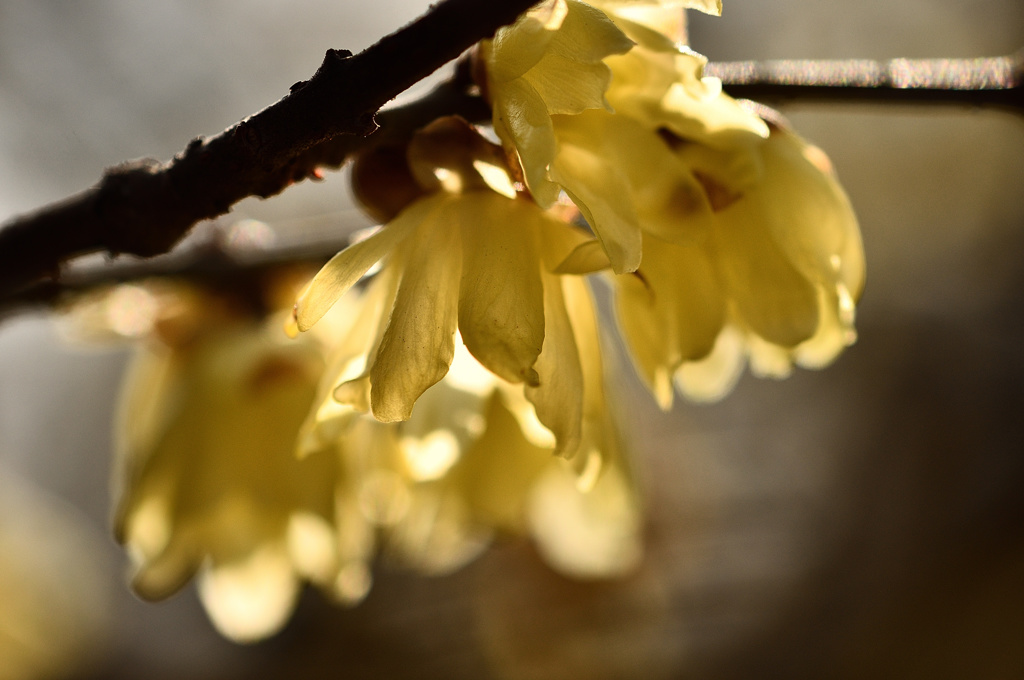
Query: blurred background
pixel 862 521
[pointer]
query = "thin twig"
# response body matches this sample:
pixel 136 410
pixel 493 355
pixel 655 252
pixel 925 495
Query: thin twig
pixel 145 207
pixel 995 82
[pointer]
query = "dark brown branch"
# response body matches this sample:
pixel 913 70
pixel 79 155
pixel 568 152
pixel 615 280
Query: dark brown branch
pixel 145 207
pixel 995 82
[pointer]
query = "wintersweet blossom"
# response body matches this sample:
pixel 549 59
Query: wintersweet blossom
pixel 473 459
pixel 470 255
pixel 209 481
pixel 605 151
pixel 741 244
pixel 550 61
pixel 775 280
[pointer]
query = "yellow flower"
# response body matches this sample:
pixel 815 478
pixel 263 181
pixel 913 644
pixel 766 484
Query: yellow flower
pixel 664 16
pixel 618 167
pixel 742 246
pixel 774 280
pixel 561 127
pixel 428 493
pixel 470 258
pixel 208 474
pixel 548 62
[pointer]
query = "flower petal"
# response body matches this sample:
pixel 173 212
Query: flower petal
pixel 348 266
pixel 603 198
pixel 515 49
pixel 711 378
pixel 586 258
pixel 569 87
pixel 557 398
pixel 809 213
pixel 521 120
pixel 501 299
pixel 419 342
pixel 672 313
pixel 771 296
pixel 665 196
pixel 593 534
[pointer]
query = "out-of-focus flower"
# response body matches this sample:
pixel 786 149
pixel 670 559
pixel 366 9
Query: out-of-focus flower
pixel 429 492
pixel 208 474
pixel 471 256
pixel 54 620
pixel 775 280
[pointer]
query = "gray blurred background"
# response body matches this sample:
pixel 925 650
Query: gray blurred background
pixel 863 521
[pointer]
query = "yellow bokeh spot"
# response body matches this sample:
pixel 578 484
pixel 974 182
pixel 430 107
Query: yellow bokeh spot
pixel 432 456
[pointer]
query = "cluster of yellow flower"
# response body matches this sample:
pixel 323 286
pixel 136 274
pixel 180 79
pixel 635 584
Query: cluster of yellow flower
pixel 420 414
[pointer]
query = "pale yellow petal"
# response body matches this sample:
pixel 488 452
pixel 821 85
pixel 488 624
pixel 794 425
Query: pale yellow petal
pixel 671 313
pixel 771 296
pixel 437 535
pixel 768 360
pixel 586 258
pixel 517 48
pixel 570 76
pixel 344 386
pixel 666 197
pixel 835 331
pixel 651 347
pixel 669 22
pixel 558 241
pixel 583 316
pixel 602 195
pixel 348 266
pixel 809 213
pixel 521 120
pixel 569 87
pixel 588 35
pixel 707 6
pixel 711 378
pixel 662 89
pixel 501 299
pixel 161 577
pixel 558 397
pixel 419 341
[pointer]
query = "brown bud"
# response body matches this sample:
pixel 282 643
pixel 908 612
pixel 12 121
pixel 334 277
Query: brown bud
pixel 382 181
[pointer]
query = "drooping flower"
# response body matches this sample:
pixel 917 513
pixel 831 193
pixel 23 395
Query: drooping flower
pixel 209 481
pixel 548 62
pixel 428 493
pixel 472 256
pixel 604 151
pixel 742 246
pixel 775 280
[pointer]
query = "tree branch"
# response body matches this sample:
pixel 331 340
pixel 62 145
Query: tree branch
pixel 145 207
pixel 131 199
pixel 996 82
